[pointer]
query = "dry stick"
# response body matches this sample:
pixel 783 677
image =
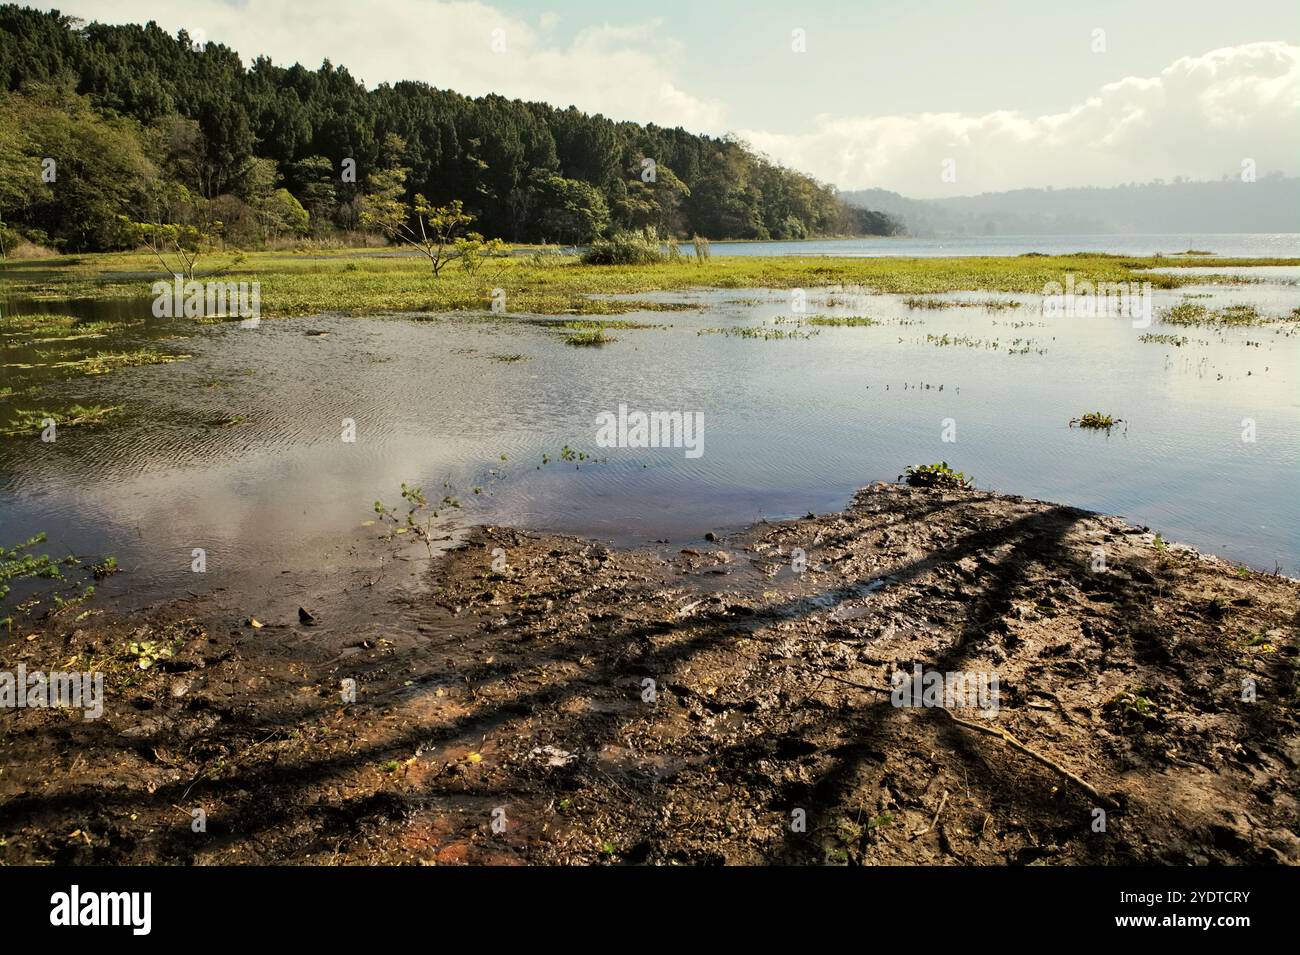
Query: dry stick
pixel 998 733
pixel 942 802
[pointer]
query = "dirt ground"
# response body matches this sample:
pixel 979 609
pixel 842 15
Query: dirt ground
pixel 544 699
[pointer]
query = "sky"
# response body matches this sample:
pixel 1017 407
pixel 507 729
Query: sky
pixel 924 97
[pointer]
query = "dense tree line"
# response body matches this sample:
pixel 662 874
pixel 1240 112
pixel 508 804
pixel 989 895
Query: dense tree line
pixel 152 127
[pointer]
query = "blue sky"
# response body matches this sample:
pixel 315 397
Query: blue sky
pixel 1011 93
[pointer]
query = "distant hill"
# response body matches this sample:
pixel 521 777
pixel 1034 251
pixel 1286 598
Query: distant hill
pixel 1270 204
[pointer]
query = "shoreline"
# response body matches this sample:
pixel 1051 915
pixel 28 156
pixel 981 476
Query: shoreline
pixel 521 686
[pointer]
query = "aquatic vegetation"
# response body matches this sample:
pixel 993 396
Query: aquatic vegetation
pixel 965 341
pixel 1095 419
pixel 1176 340
pixel 33 422
pixel 603 323
pixel 509 359
pixel 22 563
pixel 588 338
pixel 18 563
pixel 103 363
pixel 105 568
pixel 852 321
pixel 761 332
pixel 419 516
pixel 1025 346
pixel 992 304
pixel 1194 313
pixel 935 475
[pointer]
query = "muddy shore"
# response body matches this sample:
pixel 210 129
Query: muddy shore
pixel 545 699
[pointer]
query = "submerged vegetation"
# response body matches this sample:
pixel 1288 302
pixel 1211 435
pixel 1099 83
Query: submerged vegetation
pixel 65 582
pixel 37 350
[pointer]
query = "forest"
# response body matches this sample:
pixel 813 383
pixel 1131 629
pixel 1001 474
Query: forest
pixel 105 127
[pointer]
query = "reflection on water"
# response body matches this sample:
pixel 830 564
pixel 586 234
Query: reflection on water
pixel 239 450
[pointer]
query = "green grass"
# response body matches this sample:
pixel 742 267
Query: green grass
pixel 355 283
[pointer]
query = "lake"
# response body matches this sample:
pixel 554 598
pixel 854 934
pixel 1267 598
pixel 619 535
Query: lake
pixel 1248 245
pixel 240 449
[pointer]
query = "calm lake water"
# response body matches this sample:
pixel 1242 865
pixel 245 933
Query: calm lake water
pixel 239 450
pixel 1252 245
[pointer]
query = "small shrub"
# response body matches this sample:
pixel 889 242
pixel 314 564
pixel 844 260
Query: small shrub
pixel 637 247
pixel 590 337
pixel 936 475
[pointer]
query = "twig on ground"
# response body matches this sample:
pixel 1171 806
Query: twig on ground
pixel 937 813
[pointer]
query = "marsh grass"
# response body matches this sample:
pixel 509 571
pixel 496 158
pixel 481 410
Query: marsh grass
pixel 355 282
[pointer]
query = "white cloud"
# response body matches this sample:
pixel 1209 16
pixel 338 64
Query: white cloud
pixel 625 71
pixel 1199 118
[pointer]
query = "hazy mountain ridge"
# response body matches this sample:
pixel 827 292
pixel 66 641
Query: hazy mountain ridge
pixel 1270 204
